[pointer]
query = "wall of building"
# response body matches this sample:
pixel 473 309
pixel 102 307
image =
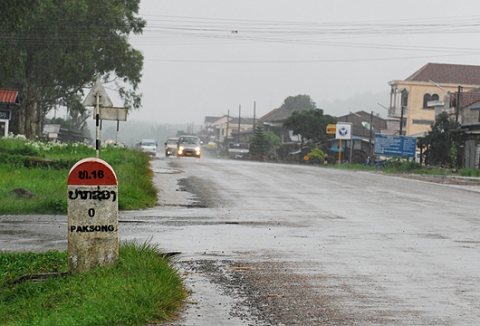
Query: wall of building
pixel 418 118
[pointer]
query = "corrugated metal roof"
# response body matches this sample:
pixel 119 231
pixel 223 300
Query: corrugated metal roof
pixel 9 96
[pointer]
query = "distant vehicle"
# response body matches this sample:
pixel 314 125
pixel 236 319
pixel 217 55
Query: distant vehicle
pixel 171 146
pixel 149 146
pixel 237 150
pixel 189 146
pixel 212 145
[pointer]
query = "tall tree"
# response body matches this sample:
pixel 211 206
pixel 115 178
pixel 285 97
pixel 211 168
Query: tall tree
pixel 259 143
pixel 65 46
pixel 310 124
pixel 16 13
pixel 438 141
pixel 298 103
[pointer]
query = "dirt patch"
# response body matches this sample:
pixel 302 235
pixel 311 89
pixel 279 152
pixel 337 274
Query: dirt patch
pixel 272 293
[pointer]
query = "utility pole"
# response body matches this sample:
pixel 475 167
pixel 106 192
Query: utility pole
pixel 401 123
pixel 239 118
pixel 254 114
pixel 458 102
pixel 228 121
pixel 371 123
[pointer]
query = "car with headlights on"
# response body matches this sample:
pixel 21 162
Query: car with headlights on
pixel 189 146
pixel 171 146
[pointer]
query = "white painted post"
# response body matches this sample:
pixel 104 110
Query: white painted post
pixel 92 215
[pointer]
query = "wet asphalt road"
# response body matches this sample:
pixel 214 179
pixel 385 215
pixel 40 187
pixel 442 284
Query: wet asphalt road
pixel 274 244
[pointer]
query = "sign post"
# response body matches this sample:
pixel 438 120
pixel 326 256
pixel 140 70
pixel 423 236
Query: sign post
pixel 118 114
pixel 343 131
pixel 92 215
pixel 5 118
pixel 392 145
pixel 97 97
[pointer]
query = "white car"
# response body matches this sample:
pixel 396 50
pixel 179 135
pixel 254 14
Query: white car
pixel 189 146
pixel 149 146
pixel 171 146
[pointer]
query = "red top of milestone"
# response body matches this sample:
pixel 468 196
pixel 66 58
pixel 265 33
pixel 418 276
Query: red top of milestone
pixel 92 172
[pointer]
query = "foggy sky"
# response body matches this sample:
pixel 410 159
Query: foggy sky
pixel 205 58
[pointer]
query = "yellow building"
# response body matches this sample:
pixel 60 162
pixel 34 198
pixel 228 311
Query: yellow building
pixel 416 97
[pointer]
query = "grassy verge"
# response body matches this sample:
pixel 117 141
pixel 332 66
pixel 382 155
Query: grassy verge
pixel 402 166
pixel 43 170
pixel 140 288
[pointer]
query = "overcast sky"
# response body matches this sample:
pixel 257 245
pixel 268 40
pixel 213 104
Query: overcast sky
pixel 204 58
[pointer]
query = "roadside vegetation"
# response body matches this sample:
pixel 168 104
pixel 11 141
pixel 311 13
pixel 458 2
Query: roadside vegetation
pixel 141 288
pixel 34 175
pixel 398 165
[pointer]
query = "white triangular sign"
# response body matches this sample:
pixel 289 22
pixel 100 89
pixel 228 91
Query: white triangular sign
pixel 97 90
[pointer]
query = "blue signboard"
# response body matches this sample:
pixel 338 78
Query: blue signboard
pixel 4 114
pixel 389 145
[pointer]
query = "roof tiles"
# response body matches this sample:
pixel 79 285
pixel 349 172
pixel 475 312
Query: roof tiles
pixel 447 74
pixel 9 96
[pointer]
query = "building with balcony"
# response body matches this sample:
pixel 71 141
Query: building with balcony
pixel 416 100
pixel 219 129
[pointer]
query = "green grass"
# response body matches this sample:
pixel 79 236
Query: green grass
pixel 140 288
pixel 43 169
pixel 395 165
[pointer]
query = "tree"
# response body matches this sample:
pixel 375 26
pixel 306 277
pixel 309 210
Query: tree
pixel 309 124
pixel 298 103
pixel 439 141
pixel 15 13
pixel 273 140
pixel 258 143
pixel 63 48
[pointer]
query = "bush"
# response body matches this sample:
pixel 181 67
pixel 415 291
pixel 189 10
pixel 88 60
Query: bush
pixel 403 165
pixel 316 156
pixel 469 172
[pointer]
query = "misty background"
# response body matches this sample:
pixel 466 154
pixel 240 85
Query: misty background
pixel 133 131
pixel 210 57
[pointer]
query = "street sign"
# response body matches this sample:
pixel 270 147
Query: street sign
pixel 97 97
pixel 92 215
pixel 97 90
pixel 4 114
pixel 118 114
pixel 343 130
pixel 331 129
pixel 389 145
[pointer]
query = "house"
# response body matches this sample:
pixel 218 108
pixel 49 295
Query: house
pixel 238 129
pixel 211 130
pixel 54 132
pixel 273 121
pixel 364 125
pixel 221 128
pixel 8 97
pixel 415 99
pixel 468 135
pixel 469 106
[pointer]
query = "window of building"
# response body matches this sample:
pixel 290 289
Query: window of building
pixel 426 98
pixel 404 101
pixel 429 97
pixel 422 122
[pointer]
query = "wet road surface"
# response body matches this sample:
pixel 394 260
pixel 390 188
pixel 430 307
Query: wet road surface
pixel 274 244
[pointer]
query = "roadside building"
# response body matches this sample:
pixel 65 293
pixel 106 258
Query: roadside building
pixel 416 100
